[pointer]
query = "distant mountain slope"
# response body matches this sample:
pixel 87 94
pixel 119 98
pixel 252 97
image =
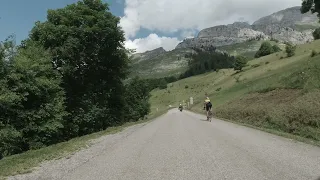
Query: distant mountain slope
pixel 287 25
pixel 154 64
pixel 288 18
pixel 138 57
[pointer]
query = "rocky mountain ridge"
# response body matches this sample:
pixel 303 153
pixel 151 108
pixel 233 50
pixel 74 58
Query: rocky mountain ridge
pixel 286 25
pixel 138 57
pixel 238 38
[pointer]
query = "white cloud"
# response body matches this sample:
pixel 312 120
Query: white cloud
pixel 173 15
pixel 188 33
pixel 151 42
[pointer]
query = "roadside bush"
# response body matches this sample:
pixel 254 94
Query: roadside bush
pixel 31 102
pixel 137 100
pixel 10 141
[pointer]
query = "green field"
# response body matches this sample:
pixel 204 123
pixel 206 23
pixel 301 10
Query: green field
pixel 247 49
pixel 273 92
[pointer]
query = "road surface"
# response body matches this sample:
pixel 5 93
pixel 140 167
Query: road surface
pixel 182 145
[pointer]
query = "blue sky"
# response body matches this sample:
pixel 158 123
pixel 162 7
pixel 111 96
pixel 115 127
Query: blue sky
pixel 18 16
pixel 148 24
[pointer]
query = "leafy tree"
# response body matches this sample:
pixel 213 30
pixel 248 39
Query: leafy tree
pixel 171 79
pixel 240 63
pixel 265 49
pixel 137 99
pixel 276 48
pixel 31 103
pixel 7 52
pixel 86 44
pixel 290 49
pixel 316 34
pixel 310 5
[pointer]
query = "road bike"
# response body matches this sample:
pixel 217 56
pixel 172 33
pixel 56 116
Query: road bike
pixel 209 118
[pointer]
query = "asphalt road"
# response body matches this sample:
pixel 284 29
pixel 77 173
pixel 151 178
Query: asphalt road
pixel 182 145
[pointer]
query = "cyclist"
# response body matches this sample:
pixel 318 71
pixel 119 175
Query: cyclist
pixel 180 107
pixel 207 106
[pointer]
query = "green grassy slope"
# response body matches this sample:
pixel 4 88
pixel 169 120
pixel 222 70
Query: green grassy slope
pixel 167 64
pixel 273 92
pixel 174 62
pixel 247 49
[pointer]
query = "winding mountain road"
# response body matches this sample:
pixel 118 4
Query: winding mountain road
pixel 182 145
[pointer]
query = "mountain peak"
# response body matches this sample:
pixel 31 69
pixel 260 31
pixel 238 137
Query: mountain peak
pixel 159 50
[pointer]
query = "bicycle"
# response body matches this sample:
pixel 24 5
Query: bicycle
pixel 209 115
pixel 209 118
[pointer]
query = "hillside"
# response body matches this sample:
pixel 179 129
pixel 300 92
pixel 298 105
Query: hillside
pixel 272 92
pixel 237 38
pixel 160 64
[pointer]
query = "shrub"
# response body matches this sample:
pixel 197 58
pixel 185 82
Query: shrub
pixel 316 34
pixel 265 49
pixel 186 86
pixel 10 141
pixel 314 53
pixel 33 102
pixel 162 84
pixel 137 99
pixel 255 65
pixel 241 62
pixel 276 48
pixel 290 49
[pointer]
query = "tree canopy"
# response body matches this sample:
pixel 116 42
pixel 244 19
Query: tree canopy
pixel 86 44
pixel 312 6
pixel 240 63
pixel 66 80
pixel 266 48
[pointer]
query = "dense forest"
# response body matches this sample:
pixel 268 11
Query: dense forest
pixel 208 60
pixel 202 61
pixel 66 79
